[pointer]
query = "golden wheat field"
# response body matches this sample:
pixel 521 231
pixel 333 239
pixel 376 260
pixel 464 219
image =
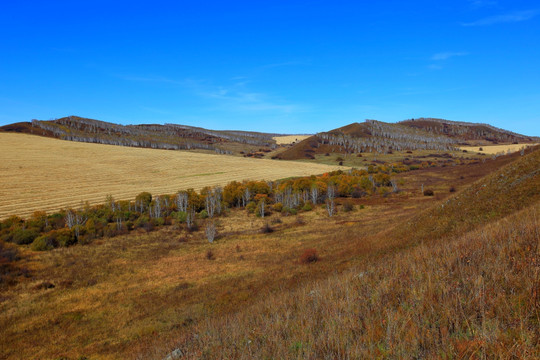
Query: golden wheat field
pixel 39 173
pixel 496 149
pixel 289 139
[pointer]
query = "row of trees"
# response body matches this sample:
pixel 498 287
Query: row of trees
pixel 465 130
pixel 168 137
pixel 186 208
pixel 387 137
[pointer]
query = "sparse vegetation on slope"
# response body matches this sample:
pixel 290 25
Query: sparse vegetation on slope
pixel 476 296
pixel 168 136
pixel 384 138
pixel 465 131
pixel 499 194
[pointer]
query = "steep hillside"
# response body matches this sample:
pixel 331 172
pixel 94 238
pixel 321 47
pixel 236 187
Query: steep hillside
pixel 168 136
pixel 497 195
pixel 421 134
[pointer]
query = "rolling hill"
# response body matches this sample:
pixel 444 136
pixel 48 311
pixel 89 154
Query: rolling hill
pixel 420 134
pixel 168 136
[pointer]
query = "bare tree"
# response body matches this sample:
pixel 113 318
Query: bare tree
pixel 157 207
pixel 395 188
pixel 330 195
pixel 263 206
pixel 246 197
pixel 182 201
pixel 314 194
pixel 190 218
pixel 75 221
pixel 210 231
pixel 213 202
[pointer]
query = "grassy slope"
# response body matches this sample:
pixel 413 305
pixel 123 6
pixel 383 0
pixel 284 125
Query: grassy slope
pixel 499 194
pixel 476 296
pixel 470 289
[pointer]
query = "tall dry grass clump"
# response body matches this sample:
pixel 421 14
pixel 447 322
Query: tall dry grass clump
pixel 476 296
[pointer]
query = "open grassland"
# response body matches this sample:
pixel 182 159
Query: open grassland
pixel 41 173
pixel 496 149
pixel 289 139
pixel 144 293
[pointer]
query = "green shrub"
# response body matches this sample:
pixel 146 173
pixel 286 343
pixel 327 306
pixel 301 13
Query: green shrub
pixel 307 207
pixel 145 198
pixel 43 243
pixel 180 216
pixel 24 236
pixel 110 230
pixel 158 221
pixel 203 214
pixel 64 237
pixel 278 207
pixel 289 211
pixel 251 207
pixel 141 221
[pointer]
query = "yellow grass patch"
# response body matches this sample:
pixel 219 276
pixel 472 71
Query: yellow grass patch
pixel 40 173
pixel 289 139
pixel 496 149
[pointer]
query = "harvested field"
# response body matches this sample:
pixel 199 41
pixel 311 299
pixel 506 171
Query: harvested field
pixel 47 174
pixel 496 149
pixel 289 139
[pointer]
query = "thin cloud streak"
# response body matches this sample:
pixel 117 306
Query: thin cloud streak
pixel 517 16
pixel 447 55
pixel 152 79
pixel 236 100
pixel 477 4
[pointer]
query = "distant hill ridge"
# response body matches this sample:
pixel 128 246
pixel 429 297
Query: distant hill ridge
pixel 415 134
pixel 168 136
pixel 369 136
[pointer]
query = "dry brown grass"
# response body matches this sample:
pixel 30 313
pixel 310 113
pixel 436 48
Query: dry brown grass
pixel 496 149
pixel 474 297
pixel 114 296
pixel 289 139
pixel 40 173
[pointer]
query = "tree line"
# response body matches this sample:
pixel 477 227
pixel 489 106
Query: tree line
pixel 187 208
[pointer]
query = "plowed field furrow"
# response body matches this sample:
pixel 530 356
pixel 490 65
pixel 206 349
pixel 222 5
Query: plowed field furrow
pixel 38 173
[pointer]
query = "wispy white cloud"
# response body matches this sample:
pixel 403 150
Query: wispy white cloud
pixel 286 63
pixel 435 67
pixel 150 79
pixel 235 97
pixel 476 4
pixel 240 100
pixel 513 17
pixel 447 55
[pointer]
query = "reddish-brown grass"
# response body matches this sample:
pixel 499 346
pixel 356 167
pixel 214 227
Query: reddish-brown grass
pixel 474 297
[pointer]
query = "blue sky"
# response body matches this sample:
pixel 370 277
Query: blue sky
pixel 276 66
